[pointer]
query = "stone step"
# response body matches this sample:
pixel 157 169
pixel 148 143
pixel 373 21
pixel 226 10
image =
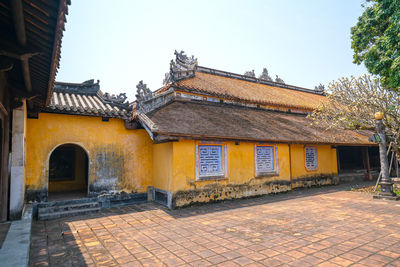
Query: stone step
pixel 59 208
pixel 67 213
pixel 66 202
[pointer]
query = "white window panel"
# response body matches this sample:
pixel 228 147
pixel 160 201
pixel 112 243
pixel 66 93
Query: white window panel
pixel 311 158
pixel 210 161
pixel 265 159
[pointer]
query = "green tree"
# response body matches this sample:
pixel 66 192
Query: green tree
pixel 376 40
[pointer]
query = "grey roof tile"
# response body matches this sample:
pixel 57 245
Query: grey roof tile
pixel 87 99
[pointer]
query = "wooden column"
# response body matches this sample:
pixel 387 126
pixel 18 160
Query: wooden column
pixel 338 159
pixel 4 148
pixel 367 166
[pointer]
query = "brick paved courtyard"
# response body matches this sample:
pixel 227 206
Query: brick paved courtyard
pixel 322 226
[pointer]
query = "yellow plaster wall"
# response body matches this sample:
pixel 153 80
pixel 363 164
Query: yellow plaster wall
pixel 178 175
pixel 241 165
pixel 162 166
pixel 113 150
pixel 326 158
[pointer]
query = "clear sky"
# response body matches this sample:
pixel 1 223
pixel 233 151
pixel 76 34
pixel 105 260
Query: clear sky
pixel 122 42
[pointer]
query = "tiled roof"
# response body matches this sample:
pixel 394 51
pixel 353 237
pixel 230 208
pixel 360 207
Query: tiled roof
pixel 87 99
pixel 241 88
pixel 223 121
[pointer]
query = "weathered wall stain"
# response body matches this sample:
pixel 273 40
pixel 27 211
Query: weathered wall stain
pixel 315 180
pixel 120 160
pixel 218 192
pixel 107 169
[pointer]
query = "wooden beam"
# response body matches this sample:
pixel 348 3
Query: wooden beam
pixel 5 64
pixel 19 24
pixel 164 139
pixel 15 55
pixel 4 151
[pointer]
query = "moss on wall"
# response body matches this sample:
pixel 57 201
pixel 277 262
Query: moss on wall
pixel 218 192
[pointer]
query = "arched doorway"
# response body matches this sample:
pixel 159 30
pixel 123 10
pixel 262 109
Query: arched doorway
pixel 68 172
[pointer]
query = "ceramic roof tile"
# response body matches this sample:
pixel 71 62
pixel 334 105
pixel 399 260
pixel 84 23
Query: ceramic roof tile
pixel 87 99
pixel 238 89
pixel 213 120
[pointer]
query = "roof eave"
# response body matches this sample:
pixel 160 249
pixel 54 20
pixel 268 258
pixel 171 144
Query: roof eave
pixel 246 139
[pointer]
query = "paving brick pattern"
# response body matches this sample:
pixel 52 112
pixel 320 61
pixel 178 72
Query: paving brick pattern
pixel 310 227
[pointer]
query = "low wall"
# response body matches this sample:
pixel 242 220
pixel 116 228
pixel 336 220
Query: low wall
pixel 217 192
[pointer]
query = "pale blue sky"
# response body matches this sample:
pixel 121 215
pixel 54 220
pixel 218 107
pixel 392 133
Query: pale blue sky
pixel 121 42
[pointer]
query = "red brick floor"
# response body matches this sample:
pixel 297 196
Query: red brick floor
pixel 323 227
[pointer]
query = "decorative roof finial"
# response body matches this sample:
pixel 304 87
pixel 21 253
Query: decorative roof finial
pixel 250 73
pixel 143 93
pixel 320 88
pixel 183 67
pixel 265 76
pixel 278 80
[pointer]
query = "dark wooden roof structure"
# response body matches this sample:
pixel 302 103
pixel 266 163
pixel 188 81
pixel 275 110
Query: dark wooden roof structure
pixel 31 32
pixel 30 43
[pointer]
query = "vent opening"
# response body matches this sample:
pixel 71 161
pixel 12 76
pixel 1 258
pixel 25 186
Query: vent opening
pixel 161 197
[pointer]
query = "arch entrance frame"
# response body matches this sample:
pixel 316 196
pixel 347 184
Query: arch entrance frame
pixel 86 170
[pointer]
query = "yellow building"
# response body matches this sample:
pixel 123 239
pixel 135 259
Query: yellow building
pixel 206 135
pixel 80 143
pixel 219 135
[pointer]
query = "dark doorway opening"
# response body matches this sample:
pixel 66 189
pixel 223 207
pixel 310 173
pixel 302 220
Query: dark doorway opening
pixel 357 159
pixel 68 172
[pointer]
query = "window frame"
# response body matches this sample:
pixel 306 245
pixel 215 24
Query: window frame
pixel 315 158
pixel 275 159
pixel 223 174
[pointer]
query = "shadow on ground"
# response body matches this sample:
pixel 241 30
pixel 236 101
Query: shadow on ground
pixel 54 243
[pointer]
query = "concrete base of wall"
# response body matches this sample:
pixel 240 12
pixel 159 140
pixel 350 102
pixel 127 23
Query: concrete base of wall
pixel 17 192
pixel 216 192
pixel 357 176
pixel 319 180
pixel 35 195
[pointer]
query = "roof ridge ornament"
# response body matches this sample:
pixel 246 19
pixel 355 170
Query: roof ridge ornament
pixel 250 73
pixel 265 75
pixel 89 87
pixel 116 99
pixel 279 80
pixel 320 88
pixel 143 92
pixel 183 67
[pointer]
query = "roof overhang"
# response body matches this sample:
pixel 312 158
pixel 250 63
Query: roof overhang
pixel 31 42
